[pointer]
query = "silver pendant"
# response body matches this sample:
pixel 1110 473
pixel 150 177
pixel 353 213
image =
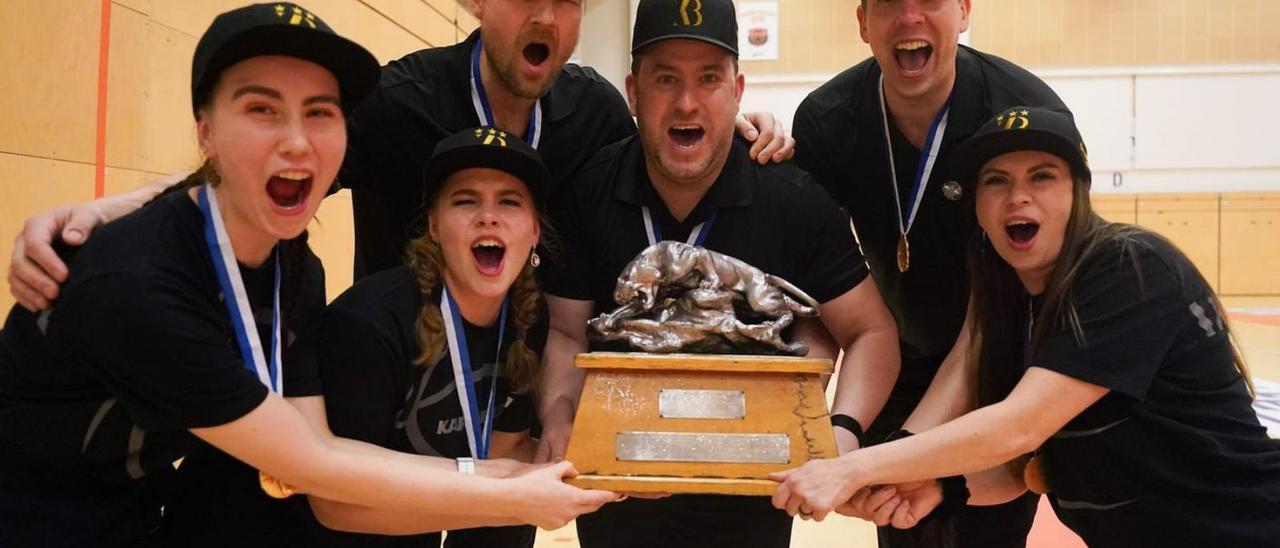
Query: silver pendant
pixel 951 190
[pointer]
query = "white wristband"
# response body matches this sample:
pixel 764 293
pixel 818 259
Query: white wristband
pixel 466 465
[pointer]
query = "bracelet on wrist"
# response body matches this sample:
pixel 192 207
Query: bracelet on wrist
pixel 850 424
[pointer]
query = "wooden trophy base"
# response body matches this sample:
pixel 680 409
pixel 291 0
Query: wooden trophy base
pixel 694 423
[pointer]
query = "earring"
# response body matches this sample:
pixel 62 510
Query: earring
pixel 534 259
pixel 211 176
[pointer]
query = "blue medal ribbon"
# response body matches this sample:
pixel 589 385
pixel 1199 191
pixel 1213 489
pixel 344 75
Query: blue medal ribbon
pixel 479 432
pixel 697 237
pixel 237 300
pixel 480 100
pixel 928 158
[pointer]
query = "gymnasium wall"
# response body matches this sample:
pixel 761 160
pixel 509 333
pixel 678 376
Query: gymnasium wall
pixel 69 132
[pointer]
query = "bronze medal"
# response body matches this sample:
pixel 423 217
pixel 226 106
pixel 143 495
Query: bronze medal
pixel 904 254
pixel 273 487
pixel 1033 475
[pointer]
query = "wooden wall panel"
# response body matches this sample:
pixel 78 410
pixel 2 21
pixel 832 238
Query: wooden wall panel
pixel 816 36
pixel 1045 33
pixel 1191 222
pixel 50 59
pixel 127 89
pixel 1251 244
pixel 423 22
pixel 1117 208
pixel 167 134
pixel 332 239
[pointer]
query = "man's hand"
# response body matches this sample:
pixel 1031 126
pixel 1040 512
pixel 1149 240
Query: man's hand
pixel 557 424
pixel 35 270
pixel 770 141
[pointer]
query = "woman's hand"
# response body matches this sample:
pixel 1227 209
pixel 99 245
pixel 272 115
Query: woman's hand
pixel 550 503
pixel 902 505
pixel 812 491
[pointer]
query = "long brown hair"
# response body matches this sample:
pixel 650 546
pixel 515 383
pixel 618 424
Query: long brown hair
pixel 1000 304
pixel 426 260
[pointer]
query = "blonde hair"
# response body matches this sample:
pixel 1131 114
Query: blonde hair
pixel 426 261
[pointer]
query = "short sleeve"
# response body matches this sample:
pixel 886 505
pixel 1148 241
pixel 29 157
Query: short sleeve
pixel 359 366
pixel 814 152
pixel 1131 313
pixel 836 262
pixel 161 346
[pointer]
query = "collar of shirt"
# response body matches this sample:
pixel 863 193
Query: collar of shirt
pixel 734 187
pixel 555 104
pixel 969 106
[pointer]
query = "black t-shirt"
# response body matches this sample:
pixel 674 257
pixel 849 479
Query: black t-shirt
pixel 374 391
pixel 1174 454
pixel 773 217
pixel 839 134
pixel 97 394
pixel 425 97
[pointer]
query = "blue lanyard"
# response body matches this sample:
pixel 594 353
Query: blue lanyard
pixel 479 432
pixel 480 99
pixel 237 300
pixel 697 237
pixel 928 159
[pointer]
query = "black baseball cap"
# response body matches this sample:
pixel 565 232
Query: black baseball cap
pixel 1023 128
pixel 711 21
pixel 280 28
pixel 489 147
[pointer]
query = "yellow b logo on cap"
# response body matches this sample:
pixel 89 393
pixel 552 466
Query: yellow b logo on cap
pixel 690 17
pixel 1014 119
pixel 492 137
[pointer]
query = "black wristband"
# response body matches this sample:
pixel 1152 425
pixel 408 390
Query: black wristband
pixel 846 422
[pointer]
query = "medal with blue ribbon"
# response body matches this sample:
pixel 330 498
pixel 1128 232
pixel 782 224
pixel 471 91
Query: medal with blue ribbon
pixel 237 300
pixel 697 237
pixel 227 270
pixel 479 429
pixel 928 158
pixel 480 100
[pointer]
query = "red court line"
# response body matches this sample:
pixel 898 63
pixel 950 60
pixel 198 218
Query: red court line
pixel 100 147
pixel 1265 319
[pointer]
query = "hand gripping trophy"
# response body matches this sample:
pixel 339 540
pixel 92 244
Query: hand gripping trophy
pixel 716 400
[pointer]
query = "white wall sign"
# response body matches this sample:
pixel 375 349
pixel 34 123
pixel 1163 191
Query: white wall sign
pixel 758 31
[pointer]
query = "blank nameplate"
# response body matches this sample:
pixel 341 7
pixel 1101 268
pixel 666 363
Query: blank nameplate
pixel 702 404
pixel 703 447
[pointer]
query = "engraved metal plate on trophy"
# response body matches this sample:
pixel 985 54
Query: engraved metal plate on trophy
pixel 697 423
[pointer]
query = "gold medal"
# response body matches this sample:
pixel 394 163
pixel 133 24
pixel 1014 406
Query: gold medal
pixel 1033 475
pixel 275 488
pixel 904 254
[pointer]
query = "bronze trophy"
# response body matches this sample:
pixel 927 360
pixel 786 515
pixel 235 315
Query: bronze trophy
pixel 718 400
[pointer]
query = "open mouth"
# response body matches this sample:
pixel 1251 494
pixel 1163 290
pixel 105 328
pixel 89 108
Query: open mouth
pixel 913 55
pixel 488 253
pixel 536 53
pixel 289 189
pixel 686 136
pixel 1022 233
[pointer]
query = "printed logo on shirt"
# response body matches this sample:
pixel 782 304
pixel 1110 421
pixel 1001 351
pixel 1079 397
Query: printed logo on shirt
pixel 1204 321
pixel 449 426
